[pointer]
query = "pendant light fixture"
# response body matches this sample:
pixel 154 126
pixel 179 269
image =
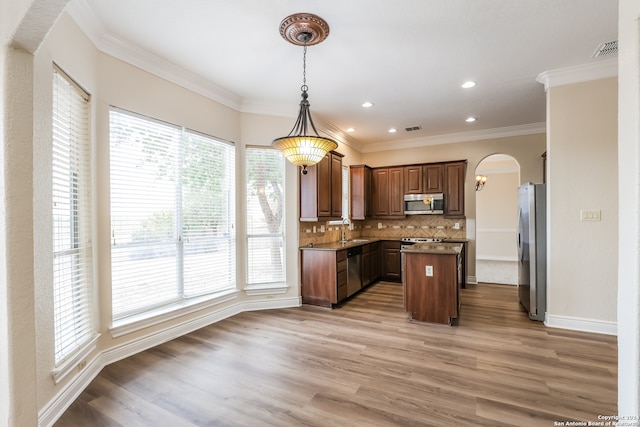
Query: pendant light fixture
pixel 301 147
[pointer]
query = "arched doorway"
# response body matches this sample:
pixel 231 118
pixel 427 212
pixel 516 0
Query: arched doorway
pixel 496 220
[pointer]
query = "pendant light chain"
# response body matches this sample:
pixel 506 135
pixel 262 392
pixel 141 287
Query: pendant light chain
pixel 304 70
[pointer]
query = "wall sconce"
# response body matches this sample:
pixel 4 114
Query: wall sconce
pixel 481 180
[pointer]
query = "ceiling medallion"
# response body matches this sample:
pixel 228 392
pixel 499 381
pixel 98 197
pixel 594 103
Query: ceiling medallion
pixel 304 29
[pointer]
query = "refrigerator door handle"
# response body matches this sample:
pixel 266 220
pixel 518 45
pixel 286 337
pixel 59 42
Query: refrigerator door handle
pixel 520 245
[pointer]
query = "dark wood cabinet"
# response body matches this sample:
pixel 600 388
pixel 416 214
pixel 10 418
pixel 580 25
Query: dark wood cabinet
pixel 336 185
pixel 380 192
pixel 432 178
pixel 432 298
pixel 391 261
pixel 360 177
pixel 413 179
pixel 321 190
pixel 324 273
pixel 375 261
pixel 387 190
pixel 454 177
pixel 396 192
pixel 366 265
pixel 463 260
pixel 324 277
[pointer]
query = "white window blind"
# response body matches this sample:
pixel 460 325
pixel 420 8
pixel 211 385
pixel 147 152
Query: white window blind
pixel 172 213
pixel 265 210
pixel 71 209
pixel 345 192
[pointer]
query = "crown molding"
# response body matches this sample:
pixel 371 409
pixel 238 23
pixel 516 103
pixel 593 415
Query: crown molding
pixel 271 109
pixel 505 132
pixel 579 73
pixel 107 43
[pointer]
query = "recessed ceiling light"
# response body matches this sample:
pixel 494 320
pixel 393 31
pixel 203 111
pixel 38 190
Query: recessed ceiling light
pixel 393 130
pixel 470 119
pixel 468 84
pixel 351 130
pixel 367 104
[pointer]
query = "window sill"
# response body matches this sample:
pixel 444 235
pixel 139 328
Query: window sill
pixel 75 361
pixel 266 289
pixel 137 322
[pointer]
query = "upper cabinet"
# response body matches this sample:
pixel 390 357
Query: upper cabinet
pixel 454 176
pixel 387 190
pixel 432 177
pixel 413 177
pixel 321 190
pixel 360 177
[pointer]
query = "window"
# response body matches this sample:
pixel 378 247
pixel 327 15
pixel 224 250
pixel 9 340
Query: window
pixel 172 214
pixel 345 192
pixel 71 211
pixel 265 210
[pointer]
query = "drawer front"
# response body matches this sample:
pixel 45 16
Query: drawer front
pixel 342 266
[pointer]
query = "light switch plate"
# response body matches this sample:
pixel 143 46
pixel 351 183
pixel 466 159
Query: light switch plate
pixel 428 270
pixel 589 215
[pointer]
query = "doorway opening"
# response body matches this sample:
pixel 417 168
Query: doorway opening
pixel 496 220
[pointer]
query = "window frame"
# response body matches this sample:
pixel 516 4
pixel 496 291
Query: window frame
pixel 71 197
pixel 130 320
pixel 269 286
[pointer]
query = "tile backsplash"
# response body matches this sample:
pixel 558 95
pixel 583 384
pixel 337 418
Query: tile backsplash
pixel 433 226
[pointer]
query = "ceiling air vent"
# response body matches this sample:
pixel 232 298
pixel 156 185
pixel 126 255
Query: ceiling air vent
pixel 606 48
pixel 412 128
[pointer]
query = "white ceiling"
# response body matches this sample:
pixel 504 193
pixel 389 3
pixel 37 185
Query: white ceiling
pixel 408 57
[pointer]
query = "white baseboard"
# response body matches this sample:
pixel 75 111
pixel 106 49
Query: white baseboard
pixel 65 397
pixel 55 408
pixel 501 258
pixel 581 324
pixel 472 280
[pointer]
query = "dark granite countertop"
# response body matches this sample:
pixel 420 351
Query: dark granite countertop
pixel 336 246
pixel 434 248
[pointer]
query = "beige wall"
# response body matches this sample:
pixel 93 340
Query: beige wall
pixel 496 221
pixel 23 25
pixel 582 174
pixel 526 150
pixel 497 217
pixel 629 202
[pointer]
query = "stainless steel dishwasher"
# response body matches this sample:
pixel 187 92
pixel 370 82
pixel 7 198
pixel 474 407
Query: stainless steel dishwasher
pixel 354 271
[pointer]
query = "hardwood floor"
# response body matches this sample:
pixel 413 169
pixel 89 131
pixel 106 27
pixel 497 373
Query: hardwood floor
pixel 362 364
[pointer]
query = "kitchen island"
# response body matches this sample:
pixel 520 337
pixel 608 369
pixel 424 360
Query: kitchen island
pixel 432 277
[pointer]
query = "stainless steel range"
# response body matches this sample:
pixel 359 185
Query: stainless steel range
pixel 408 241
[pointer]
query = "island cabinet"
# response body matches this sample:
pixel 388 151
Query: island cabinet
pixel 391 261
pixel 454 176
pixel 324 277
pixel 387 190
pixel 462 259
pixel 321 190
pixel 435 297
pixel 360 182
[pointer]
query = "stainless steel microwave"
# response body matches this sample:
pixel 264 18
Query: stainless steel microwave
pixel 424 204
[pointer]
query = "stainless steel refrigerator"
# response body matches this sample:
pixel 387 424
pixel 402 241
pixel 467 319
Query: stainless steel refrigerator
pixel 532 249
